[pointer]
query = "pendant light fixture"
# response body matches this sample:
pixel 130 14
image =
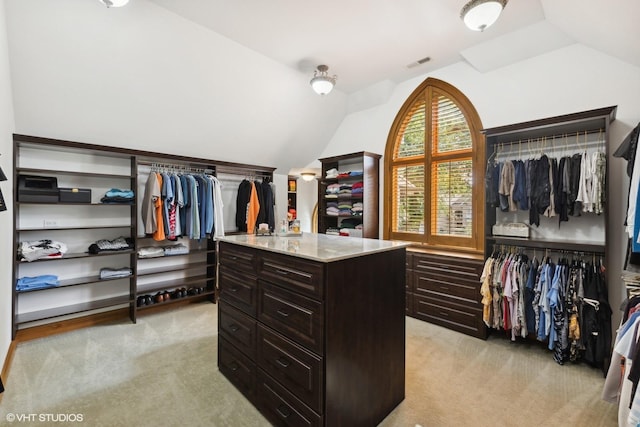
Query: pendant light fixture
pixel 321 82
pixel 114 3
pixel 481 14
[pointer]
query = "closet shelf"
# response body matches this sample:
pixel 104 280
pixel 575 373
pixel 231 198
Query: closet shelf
pixel 169 268
pixel 74 204
pixel 72 309
pixel 41 172
pixel 79 255
pixel 77 281
pixel 92 227
pixel 186 282
pixel 191 252
pixel 172 301
pixel 574 246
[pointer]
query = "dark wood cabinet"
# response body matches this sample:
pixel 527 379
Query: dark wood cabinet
pixel 350 184
pixel 445 290
pixel 329 336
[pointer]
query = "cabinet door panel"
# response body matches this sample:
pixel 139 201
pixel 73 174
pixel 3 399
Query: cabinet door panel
pixel 238 288
pixel 238 368
pixel 294 273
pixel 281 407
pixel 296 368
pixel 238 328
pixel 238 258
pixel 295 316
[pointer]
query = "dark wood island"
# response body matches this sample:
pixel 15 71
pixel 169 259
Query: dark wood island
pixel 312 327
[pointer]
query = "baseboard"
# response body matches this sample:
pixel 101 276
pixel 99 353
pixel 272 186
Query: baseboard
pixel 7 365
pixel 68 325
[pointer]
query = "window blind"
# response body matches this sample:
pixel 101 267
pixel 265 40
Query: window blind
pixel 408 185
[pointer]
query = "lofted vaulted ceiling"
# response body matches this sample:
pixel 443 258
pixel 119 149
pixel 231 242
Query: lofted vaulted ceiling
pixel 368 41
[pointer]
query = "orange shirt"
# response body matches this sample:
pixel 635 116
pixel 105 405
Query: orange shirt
pixel 252 210
pixel 159 233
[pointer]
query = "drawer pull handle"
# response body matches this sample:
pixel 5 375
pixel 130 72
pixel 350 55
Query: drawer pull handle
pixel 234 327
pixel 233 289
pixel 283 272
pixel 442 313
pixel 283 313
pixel 234 366
pixel 233 257
pixel 283 362
pixel 283 411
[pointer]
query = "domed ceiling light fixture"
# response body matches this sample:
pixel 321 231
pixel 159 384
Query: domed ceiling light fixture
pixel 114 3
pixel 321 82
pixel 479 15
pixel 308 176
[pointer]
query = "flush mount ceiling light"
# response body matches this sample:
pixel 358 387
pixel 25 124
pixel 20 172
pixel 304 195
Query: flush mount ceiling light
pixel 308 176
pixel 481 14
pixel 321 82
pixel 114 3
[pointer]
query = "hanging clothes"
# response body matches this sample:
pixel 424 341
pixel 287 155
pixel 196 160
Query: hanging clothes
pixel 253 209
pixel 242 201
pixel 561 303
pixel 182 205
pixel 151 200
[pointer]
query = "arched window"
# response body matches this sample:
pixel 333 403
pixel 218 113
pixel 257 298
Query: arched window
pixel 434 190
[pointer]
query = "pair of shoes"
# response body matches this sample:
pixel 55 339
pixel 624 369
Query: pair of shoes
pixel 143 300
pixel 162 296
pixel 179 293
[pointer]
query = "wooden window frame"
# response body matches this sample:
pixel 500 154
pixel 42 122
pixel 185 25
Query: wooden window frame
pixel 475 243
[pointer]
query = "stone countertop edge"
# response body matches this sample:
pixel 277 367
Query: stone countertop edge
pixel 316 247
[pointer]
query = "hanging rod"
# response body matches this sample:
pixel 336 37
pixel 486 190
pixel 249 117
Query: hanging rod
pixel 177 167
pixel 551 138
pixel 578 142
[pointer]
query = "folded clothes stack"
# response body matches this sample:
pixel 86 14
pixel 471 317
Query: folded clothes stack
pixel 117 244
pixel 37 282
pixel 332 173
pixel 160 251
pixel 178 249
pixel 41 249
pixel 115 195
pixel 115 273
pixel 150 252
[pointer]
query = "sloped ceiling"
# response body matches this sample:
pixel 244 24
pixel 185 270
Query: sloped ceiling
pixel 228 80
pixel 368 41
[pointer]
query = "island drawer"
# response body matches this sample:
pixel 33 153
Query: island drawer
pixel 237 257
pixel 237 368
pixel 295 316
pixel 237 328
pixel 294 367
pixel 238 288
pixel 280 406
pixel 296 274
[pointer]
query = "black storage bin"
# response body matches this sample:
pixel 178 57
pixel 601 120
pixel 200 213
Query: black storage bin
pixel 33 188
pixel 75 195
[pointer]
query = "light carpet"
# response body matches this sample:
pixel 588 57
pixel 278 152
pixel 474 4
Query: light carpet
pixel 162 371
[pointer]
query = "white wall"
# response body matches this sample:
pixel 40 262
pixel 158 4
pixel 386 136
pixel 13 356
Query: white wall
pixel 568 80
pixel 6 217
pixel 143 77
pixel 307 199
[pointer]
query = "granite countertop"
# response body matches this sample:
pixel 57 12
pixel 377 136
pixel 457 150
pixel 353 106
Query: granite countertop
pixel 316 247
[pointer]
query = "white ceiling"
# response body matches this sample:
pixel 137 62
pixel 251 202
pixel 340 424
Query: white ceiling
pixel 369 41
